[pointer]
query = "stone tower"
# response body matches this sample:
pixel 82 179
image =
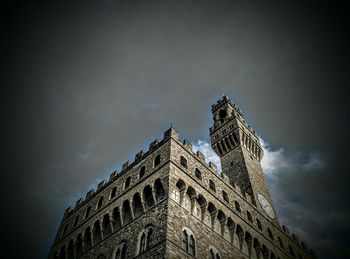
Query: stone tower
pixel 240 152
pixel 170 203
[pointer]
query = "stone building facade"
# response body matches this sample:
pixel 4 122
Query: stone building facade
pixel 170 203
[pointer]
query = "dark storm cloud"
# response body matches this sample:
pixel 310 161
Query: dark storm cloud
pixel 91 83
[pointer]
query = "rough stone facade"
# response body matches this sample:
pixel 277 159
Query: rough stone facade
pixel 170 203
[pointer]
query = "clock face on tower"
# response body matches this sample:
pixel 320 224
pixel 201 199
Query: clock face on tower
pixel 266 206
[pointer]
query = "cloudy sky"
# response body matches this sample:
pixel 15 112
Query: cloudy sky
pixel 87 84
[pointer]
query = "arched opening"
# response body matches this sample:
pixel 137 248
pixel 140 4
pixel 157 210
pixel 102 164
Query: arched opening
pixel 198 174
pixel 87 239
pixel 142 172
pixel 106 223
pixel 100 202
pixel 212 212
pixel 145 239
pixel 79 245
pixel 116 220
pixel 120 253
pixel 222 115
pixel 148 197
pixel 126 212
pixel 159 190
pixel 76 221
pixel 63 253
pixel 137 205
pixel 221 219
pixel 257 247
pixel 249 216
pixel 280 242
pixel 291 251
pixel 249 241
pixel 269 232
pixel 188 241
pixel 127 182
pixel 113 192
pixel 259 224
pixel 265 252
pixel 97 235
pixel 231 227
pixel 156 161
pixel 183 161
pixel 238 207
pixel 214 253
pixel 186 203
pixel 225 196
pixel 202 203
pixel 87 213
pixel 240 235
pixel 212 185
pixel 70 250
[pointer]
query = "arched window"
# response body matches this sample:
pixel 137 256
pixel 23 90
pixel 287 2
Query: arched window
pixel 265 252
pixel 259 224
pixel 280 242
pixel 100 202
pixel 64 230
pixel 63 253
pixel 126 212
pixel 137 205
pixel 116 220
pixel 148 197
pixel 120 252
pixel 87 239
pixel 188 241
pixel 225 196
pixel 127 182
pixel 212 185
pixel 291 250
pixel 269 232
pixel 106 223
pixel 249 241
pixel 159 190
pixel 183 161
pixel 76 221
pixel 79 245
pixel 142 172
pixel 187 202
pixel 198 174
pixel 145 239
pixel 249 216
pixel 113 192
pixel 238 207
pixel 97 236
pixel 87 213
pixel 214 253
pixel 176 194
pixel 70 250
pixel 156 161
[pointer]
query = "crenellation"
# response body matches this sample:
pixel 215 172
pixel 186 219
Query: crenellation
pixel 113 175
pixel 200 156
pixel 125 165
pixel 187 144
pixel 139 156
pixel 101 184
pixel 171 133
pixel 78 203
pixel 153 145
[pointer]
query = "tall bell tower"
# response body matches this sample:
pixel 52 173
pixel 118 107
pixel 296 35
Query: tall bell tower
pixel 240 152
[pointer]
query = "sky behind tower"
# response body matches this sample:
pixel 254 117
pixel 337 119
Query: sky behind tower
pixel 87 84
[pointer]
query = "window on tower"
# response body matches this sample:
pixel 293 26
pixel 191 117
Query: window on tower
pixel 212 185
pixel 183 161
pixel 238 207
pixel 157 161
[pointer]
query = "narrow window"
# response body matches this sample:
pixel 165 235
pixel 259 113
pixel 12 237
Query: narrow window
pixel 188 242
pixel 127 182
pixel 79 245
pixel 212 185
pixel 183 161
pixel 157 161
pixel 191 245
pixel 198 174
pixel 97 236
pixel 291 250
pixel 100 202
pixel 225 196
pixel 146 239
pixel 184 240
pixel 238 207
pixel 76 221
pixel 269 232
pixel 142 172
pixel 259 224
pixel 249 216
pixel 113 192
pixel 281 242
pixel 65 230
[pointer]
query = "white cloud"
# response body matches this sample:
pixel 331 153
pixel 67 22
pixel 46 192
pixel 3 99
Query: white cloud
pixel 204 147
